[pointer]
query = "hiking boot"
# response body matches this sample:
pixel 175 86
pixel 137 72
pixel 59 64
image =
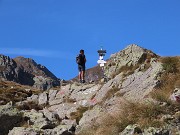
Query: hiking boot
pixel 82 81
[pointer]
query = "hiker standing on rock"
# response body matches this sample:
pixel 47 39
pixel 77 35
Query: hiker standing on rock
pixel 81 60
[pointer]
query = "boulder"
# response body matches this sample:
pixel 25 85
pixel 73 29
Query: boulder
pixel 52 94
pixel 108 87
pixel 64 110
pixel 60 130
pixel 50 115
pixel 57 97
pixel 156 131
pixel 43 98
pixel 83 94
pixel 9 118
pixel 34 98
pixel 131 130
pixel 23 131
pixel 175 96
pixel 44 83
pixel 89 117
pixel 38 120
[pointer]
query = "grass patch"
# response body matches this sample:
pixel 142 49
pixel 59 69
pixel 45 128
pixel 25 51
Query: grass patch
pixel 14 95
pixel 111 93
pixel 120 94
pixel 78 114
pixel 11 91
pixel 170 79
pixel 170 64
pixel 68 100
pixel 127 70
pixel 145 115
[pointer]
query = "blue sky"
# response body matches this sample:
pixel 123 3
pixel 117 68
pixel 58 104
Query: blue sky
pixel 53 31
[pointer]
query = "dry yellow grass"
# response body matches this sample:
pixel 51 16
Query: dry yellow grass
pixel 131 113
pixel 79 113
pixel 11 91
pixel 170 79
pixel 111 93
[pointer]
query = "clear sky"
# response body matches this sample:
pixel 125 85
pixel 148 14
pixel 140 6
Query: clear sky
pixel 53 31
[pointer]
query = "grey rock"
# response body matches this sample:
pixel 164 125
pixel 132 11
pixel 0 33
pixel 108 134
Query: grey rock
pixel 56 102
pixel 139 84
pixel 60 130
pixel 34 98
pixel 43 123
pixel 177 115
pixel 50 115
pixel 64 91
pixel 89 117
pixel 52 94
pixel 33 115
pixel 156 131
pixel 107 87
pixel 38 120
pixel 131 130
pixel 64 110
pixel 59 95
pixel 43 83
pixel 77 94
pixel 69 122
pixel 167 117
pixel 23 131
pixel 9 118
pixel 175 96
pixel 83 94
pixel 43 98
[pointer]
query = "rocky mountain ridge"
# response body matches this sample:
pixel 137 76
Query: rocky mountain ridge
pixel 129 101
pixel 27 72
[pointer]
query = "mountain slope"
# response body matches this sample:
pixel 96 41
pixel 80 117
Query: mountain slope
pixel 27 72
pixel 134 100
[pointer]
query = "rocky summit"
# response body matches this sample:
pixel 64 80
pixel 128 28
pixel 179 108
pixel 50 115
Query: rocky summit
pixel 27 72
pixel 138 94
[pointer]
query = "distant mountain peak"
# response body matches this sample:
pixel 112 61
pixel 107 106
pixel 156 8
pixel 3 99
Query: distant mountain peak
pixel 27 72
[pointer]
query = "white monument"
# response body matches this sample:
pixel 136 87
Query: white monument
pixel 101 61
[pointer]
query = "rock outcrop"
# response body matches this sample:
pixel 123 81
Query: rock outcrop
pixel 131 56
pixel 27 72
pixel 7 68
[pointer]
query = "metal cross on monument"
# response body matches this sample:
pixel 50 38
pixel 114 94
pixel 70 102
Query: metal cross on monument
pixel 101 54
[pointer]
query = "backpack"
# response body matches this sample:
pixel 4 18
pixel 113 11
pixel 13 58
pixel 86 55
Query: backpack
pixel 78 59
